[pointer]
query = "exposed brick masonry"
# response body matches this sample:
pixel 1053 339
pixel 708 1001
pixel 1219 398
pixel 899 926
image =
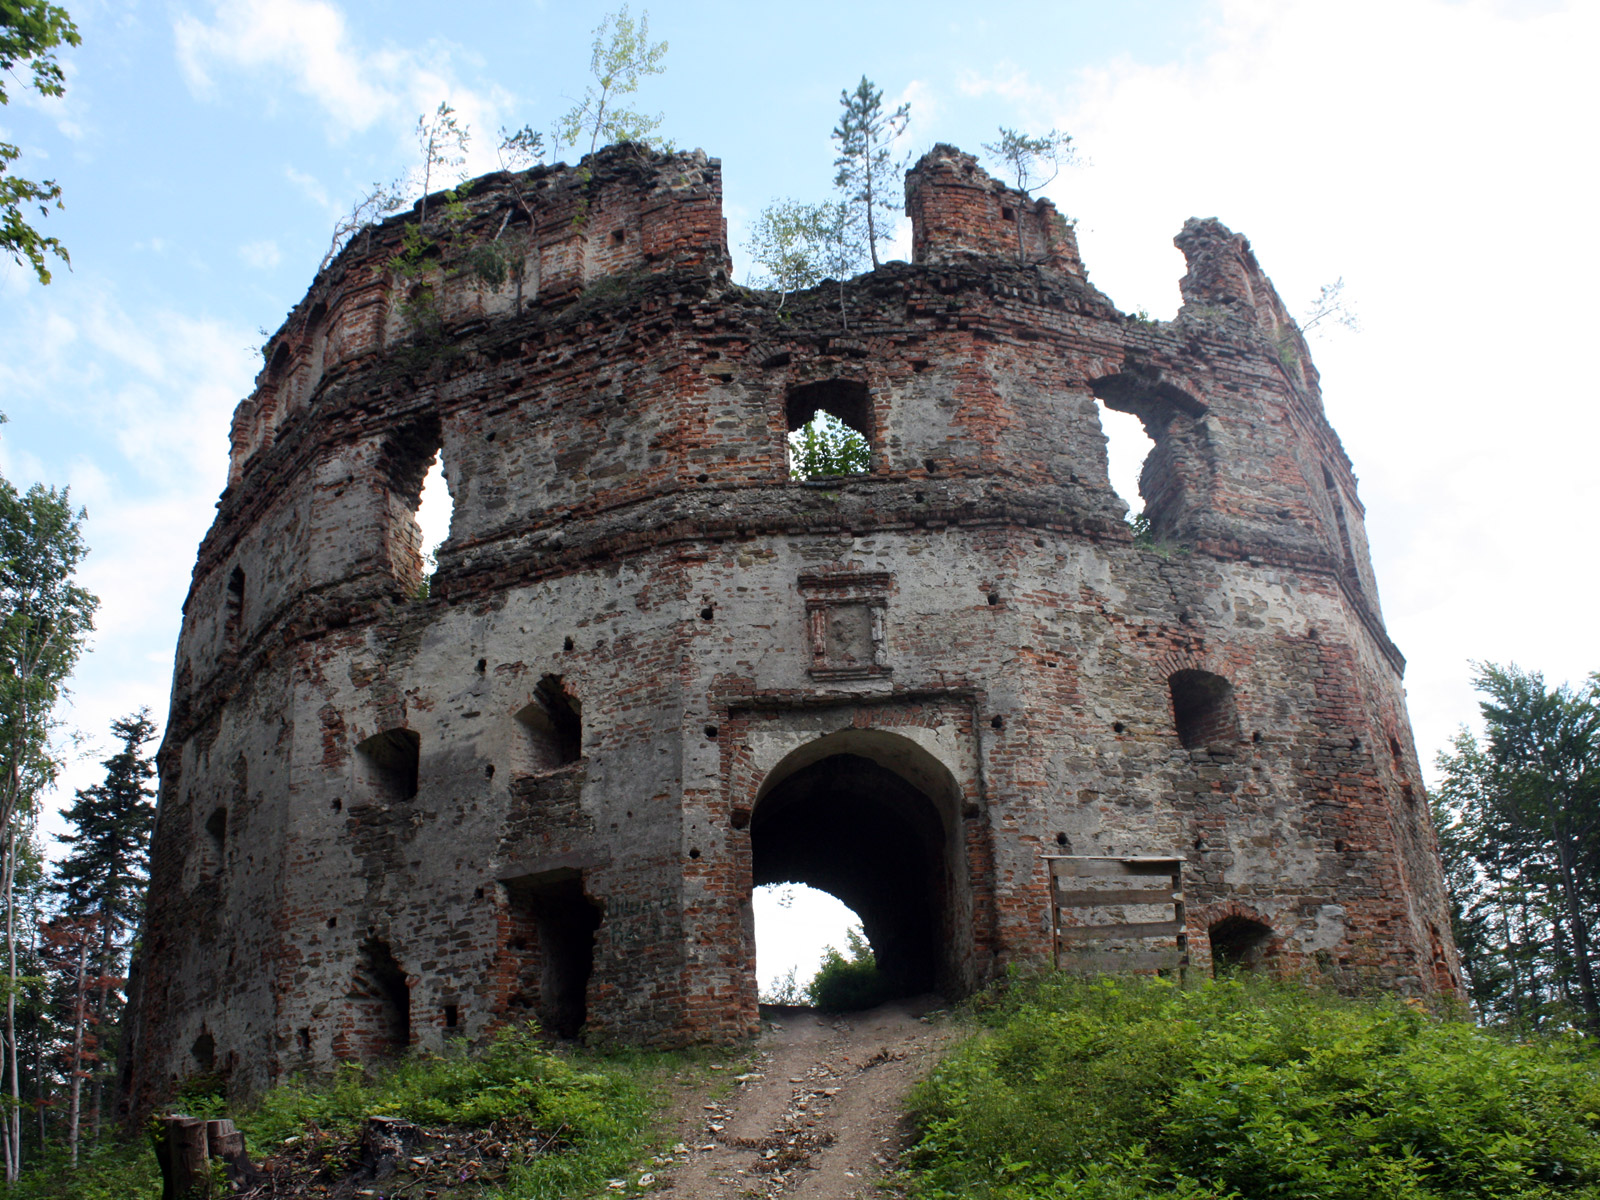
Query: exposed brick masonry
pixel 653 671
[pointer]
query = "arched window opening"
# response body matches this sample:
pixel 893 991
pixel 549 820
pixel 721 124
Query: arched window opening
pixel 1335 499
pixel 551 727
pixel 830 429
pixel 1203 709
pixel 1173 472
pixel 1239 944
pixel 435 509
pixel 796 927
pixel 549 946
pixel 204 1052
pixel 217 827
pixel 380 1001
pixel 411 455
pixel 233 609
pixel 1128 449
pixel 388 763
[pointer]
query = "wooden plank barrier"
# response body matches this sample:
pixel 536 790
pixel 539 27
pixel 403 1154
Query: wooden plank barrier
pixel 1137 881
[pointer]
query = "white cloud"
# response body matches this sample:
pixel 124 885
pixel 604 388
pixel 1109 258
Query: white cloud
pixel 262 255
pixel 147 397
pixel 314 191
pixel 1429 152
pixel 306 46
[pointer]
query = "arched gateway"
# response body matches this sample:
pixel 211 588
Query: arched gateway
pixel 655 669
pixel 874 818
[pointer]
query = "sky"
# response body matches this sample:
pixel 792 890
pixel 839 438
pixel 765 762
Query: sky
pixel 1434 154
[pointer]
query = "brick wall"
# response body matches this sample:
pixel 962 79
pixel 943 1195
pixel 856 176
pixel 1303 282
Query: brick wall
pixel 907 686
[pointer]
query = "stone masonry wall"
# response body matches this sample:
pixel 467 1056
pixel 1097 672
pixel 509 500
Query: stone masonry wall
pixel 653 671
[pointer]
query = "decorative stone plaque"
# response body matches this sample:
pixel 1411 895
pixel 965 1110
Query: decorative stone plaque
pixel 846 623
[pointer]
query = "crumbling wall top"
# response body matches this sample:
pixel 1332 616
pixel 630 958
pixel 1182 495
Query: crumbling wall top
pixel 959 211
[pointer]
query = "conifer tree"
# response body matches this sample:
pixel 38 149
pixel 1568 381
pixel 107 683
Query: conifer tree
pixel 101 883
pixel 866 175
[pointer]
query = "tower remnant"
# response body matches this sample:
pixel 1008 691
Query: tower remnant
pixel 654 671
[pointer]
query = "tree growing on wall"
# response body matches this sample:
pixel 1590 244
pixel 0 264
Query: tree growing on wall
pixel 443 141
pixel 1028 158
pixel 45 618
pixel 866 171
pixel 30 33
pixel 622 56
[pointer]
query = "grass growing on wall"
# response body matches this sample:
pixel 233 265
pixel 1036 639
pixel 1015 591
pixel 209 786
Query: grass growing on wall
pixel 1135 1089
pixel 595 1115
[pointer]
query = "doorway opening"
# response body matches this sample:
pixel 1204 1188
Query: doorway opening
pixel 549 943
pixel 380 1001
pixel 870 818
pixel 796 926
pixel 1239 944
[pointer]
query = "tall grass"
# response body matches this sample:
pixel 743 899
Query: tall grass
pixel 595 1114
pixel 1133 1089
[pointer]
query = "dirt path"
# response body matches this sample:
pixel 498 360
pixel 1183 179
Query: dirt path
pixel 817 1114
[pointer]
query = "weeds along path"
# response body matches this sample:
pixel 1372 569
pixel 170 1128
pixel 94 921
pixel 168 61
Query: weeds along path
pixel 817 1114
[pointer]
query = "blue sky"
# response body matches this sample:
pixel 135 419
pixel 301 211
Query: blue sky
pixel 1435 154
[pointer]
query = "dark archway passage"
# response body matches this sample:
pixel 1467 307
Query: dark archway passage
pixel 860 831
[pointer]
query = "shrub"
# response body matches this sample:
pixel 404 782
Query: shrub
pixel 848 984
pixel 1132 1089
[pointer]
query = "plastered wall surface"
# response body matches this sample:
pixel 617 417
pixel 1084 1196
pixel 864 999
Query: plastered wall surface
pixel 653 671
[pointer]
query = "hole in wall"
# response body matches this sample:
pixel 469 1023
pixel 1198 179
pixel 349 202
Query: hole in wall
pixel 830 429
pixel 388 761
pixel 552 727
pixel 337 805
pixel 1128 448
pixel 706 613
pixel 217 827
pixel 567 644
pixel 379 1000
pixel 435 508
pixel 452 1016
pixel 233 609
pixel 1238 944
pixel 303 1036
pixel 204 1051
pixel 551 925
pixel 1203 709
pixel 1061 839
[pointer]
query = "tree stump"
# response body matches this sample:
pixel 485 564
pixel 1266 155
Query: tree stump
pixel 385 1141
pixel 184 1149
pixel 183 1153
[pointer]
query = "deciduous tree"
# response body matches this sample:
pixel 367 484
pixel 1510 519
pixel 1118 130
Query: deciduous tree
pixel 622 56
pixel 45 617
pixel 30 33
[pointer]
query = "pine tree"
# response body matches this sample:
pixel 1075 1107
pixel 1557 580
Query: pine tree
pixel 102 882
pixel 865 134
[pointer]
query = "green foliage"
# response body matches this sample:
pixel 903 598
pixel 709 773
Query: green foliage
pixel 790 243
pixel 622 55
pixel 45 618
pixel 848 984
pixel 826 446
pixel 443 141
pixel 1136 1089
pixel 1519 824
pixel 865 169
pixel 1027 157
pixel 30 32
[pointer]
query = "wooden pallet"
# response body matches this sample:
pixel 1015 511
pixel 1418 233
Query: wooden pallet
pixel 1083 886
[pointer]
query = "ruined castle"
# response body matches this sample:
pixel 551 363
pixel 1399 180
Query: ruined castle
pixel 654 670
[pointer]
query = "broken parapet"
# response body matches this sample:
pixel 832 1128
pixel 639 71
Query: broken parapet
pixel 958 212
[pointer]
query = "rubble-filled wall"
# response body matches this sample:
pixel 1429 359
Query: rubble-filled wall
pixel 654 671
